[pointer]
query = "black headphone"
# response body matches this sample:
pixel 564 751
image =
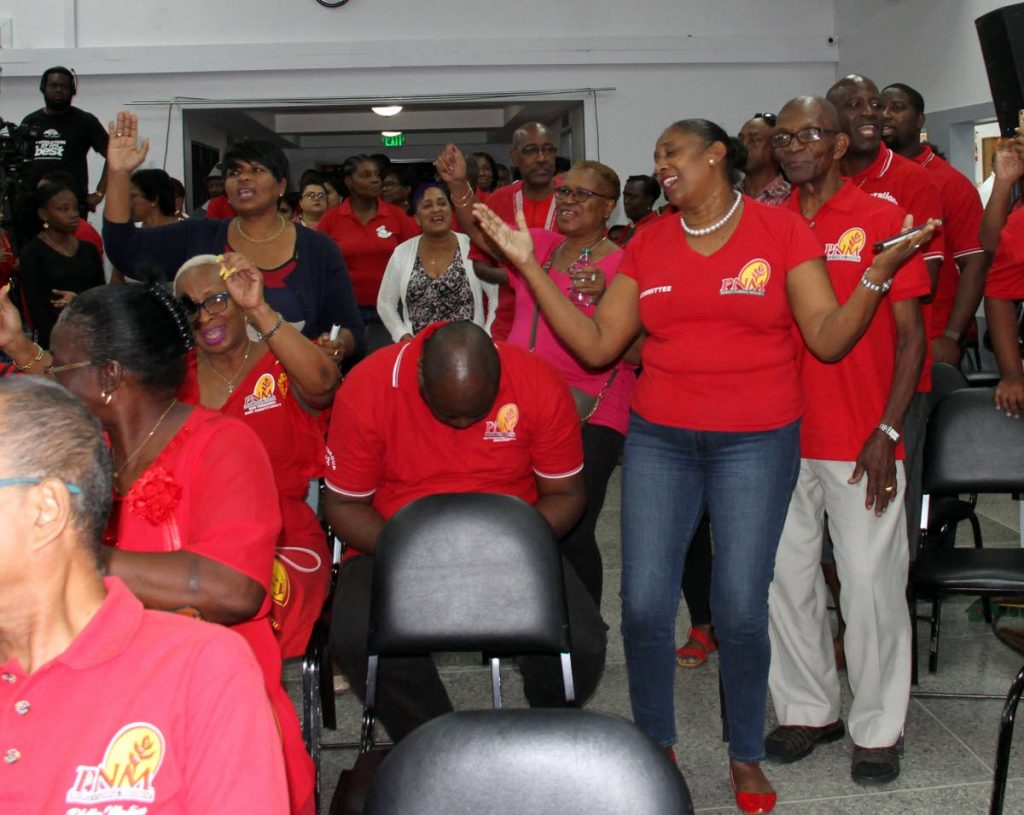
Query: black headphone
pixel 60 69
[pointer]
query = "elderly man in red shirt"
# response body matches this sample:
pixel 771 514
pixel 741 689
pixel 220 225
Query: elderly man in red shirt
pixel 451 411
pixel 850 468
pixel 105 706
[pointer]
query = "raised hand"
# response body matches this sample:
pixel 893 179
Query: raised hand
pixel 1007 162
pixel 451 165
pixel 515 244
pixel 243 280
pixel 124 152
pixel 10 319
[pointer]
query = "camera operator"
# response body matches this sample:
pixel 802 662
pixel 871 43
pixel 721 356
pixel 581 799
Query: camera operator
pixel 66 135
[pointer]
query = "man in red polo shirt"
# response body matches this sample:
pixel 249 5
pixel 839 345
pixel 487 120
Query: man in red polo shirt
pixel 639 194
pixel 533 154
pixel 962 275
pixel 106 707
pixel 851 429
pixel 450 411
pixel 877 170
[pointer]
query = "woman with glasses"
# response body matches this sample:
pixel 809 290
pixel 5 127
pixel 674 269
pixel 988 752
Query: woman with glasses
pixel 580 260
pixel 312 204
pixel 396 189
pixel 719 289
pixel 304 276
pixel 430 277
pixel 277 384
pixel 183 534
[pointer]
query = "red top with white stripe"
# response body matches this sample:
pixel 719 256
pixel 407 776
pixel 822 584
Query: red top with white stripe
pixel 385 442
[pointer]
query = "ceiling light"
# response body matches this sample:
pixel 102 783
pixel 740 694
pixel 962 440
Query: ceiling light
pixel 387 110
pixel 391 133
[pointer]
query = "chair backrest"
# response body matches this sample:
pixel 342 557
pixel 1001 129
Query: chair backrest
pixel 467 572
pixel 972 447
pixel 528 762
pixel 946 378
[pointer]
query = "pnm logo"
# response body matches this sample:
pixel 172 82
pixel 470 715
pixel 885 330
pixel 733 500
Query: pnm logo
pixel 129 767
pixel 752 279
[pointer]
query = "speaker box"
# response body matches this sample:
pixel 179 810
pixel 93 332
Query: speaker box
pixel 1001 33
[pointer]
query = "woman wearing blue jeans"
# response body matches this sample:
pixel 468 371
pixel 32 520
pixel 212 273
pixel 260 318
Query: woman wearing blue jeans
pixel 720 288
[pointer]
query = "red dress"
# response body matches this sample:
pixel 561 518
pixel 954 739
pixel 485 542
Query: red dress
pixel 210 491
pixel 294 441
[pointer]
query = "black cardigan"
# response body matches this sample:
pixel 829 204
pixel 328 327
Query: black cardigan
pixel 320 280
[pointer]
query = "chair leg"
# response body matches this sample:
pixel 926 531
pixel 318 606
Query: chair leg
pixel 722 709
pixel 327 710
pixel 912 604
pixel 933 645
pixel 1003 745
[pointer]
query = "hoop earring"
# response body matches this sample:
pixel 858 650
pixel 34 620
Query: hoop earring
pixel 106 397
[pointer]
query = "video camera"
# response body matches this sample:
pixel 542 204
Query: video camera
pixel 17 149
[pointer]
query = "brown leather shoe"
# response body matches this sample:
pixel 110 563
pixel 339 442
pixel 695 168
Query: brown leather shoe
pixel 875 765
pixel 789 743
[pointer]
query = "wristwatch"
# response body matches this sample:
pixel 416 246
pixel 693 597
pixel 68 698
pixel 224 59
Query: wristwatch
pixel 890 431
pixel 871 285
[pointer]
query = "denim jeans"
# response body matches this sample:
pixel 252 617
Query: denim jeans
pixel 745 480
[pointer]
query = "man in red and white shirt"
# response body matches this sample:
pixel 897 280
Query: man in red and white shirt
pixel 533 154
pixel 962 275
pixel 105 706
pixel 879 171
pixel 850 435
pixel 450 411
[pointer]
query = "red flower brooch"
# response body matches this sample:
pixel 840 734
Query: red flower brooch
pixel 154 496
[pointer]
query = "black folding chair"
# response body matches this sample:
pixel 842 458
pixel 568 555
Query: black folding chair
pixel 528 762
pixel 970 447
pixel 466 572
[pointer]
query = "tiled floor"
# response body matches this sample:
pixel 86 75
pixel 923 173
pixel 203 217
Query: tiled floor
pixel 950 745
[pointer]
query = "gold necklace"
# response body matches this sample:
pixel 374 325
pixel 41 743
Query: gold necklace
pixel 145 441
pixel 271 239
pixel 45 238
pixel 229 382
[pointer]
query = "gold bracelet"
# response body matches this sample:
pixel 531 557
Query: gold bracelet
pixel 39 356
pixel 466 199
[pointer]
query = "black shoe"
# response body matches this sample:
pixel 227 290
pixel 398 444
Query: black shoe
pixel 875 765
pixel 789 743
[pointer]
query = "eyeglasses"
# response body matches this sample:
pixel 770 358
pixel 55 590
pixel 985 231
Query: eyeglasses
pixel 577 194
pixel 533 150
pixel 768 117
pixel 53 370
pixel 808 135
pixel 215 304
pixel 314 196
pixel 12 482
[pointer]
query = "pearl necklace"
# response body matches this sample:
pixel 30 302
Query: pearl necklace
pixel 707 230
pixel 271 239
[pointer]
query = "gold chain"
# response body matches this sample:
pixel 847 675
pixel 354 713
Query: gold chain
pixel 145 441
pixel 229 382
pixel 271 239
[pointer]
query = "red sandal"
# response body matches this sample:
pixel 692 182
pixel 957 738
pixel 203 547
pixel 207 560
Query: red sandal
pixel 696 655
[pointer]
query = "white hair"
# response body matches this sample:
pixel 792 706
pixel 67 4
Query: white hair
pixel 194 263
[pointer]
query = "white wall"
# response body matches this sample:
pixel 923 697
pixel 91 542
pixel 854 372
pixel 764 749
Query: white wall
pixel 931 45
pixel 663 59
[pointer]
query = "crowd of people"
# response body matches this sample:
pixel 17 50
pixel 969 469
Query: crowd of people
pixel 755 352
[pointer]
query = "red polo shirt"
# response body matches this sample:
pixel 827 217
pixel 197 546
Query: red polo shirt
pixel 145 712
pixel 505 202
pixel 1005 279
pixel 220 207
pixel 962 210
pixel 87 232
pixel 367 247
pixel 721 353
pixel 846 399
pixel 902 182
pixel 385 442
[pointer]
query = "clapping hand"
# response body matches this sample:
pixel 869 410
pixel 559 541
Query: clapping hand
pixel 515 244
pixel 124 153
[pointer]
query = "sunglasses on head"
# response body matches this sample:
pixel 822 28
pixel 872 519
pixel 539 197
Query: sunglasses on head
pixel 768 117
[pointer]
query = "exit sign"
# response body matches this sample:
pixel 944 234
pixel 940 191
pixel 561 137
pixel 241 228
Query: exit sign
pixel 393 141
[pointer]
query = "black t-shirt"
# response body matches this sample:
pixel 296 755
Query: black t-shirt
pixel 43 269
pixel 64 144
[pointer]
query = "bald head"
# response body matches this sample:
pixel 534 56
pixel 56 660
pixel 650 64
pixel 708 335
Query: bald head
pixel 533 154
pixel 529 132
pixel 859 104
pixel 459 374
pixel 850 82
pixel 815 143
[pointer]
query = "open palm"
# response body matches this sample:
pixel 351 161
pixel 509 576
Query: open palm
pixel 515 244
pixel 124 152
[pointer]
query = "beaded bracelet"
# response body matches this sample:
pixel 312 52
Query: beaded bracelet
pixel 277 327
pixel 39 356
